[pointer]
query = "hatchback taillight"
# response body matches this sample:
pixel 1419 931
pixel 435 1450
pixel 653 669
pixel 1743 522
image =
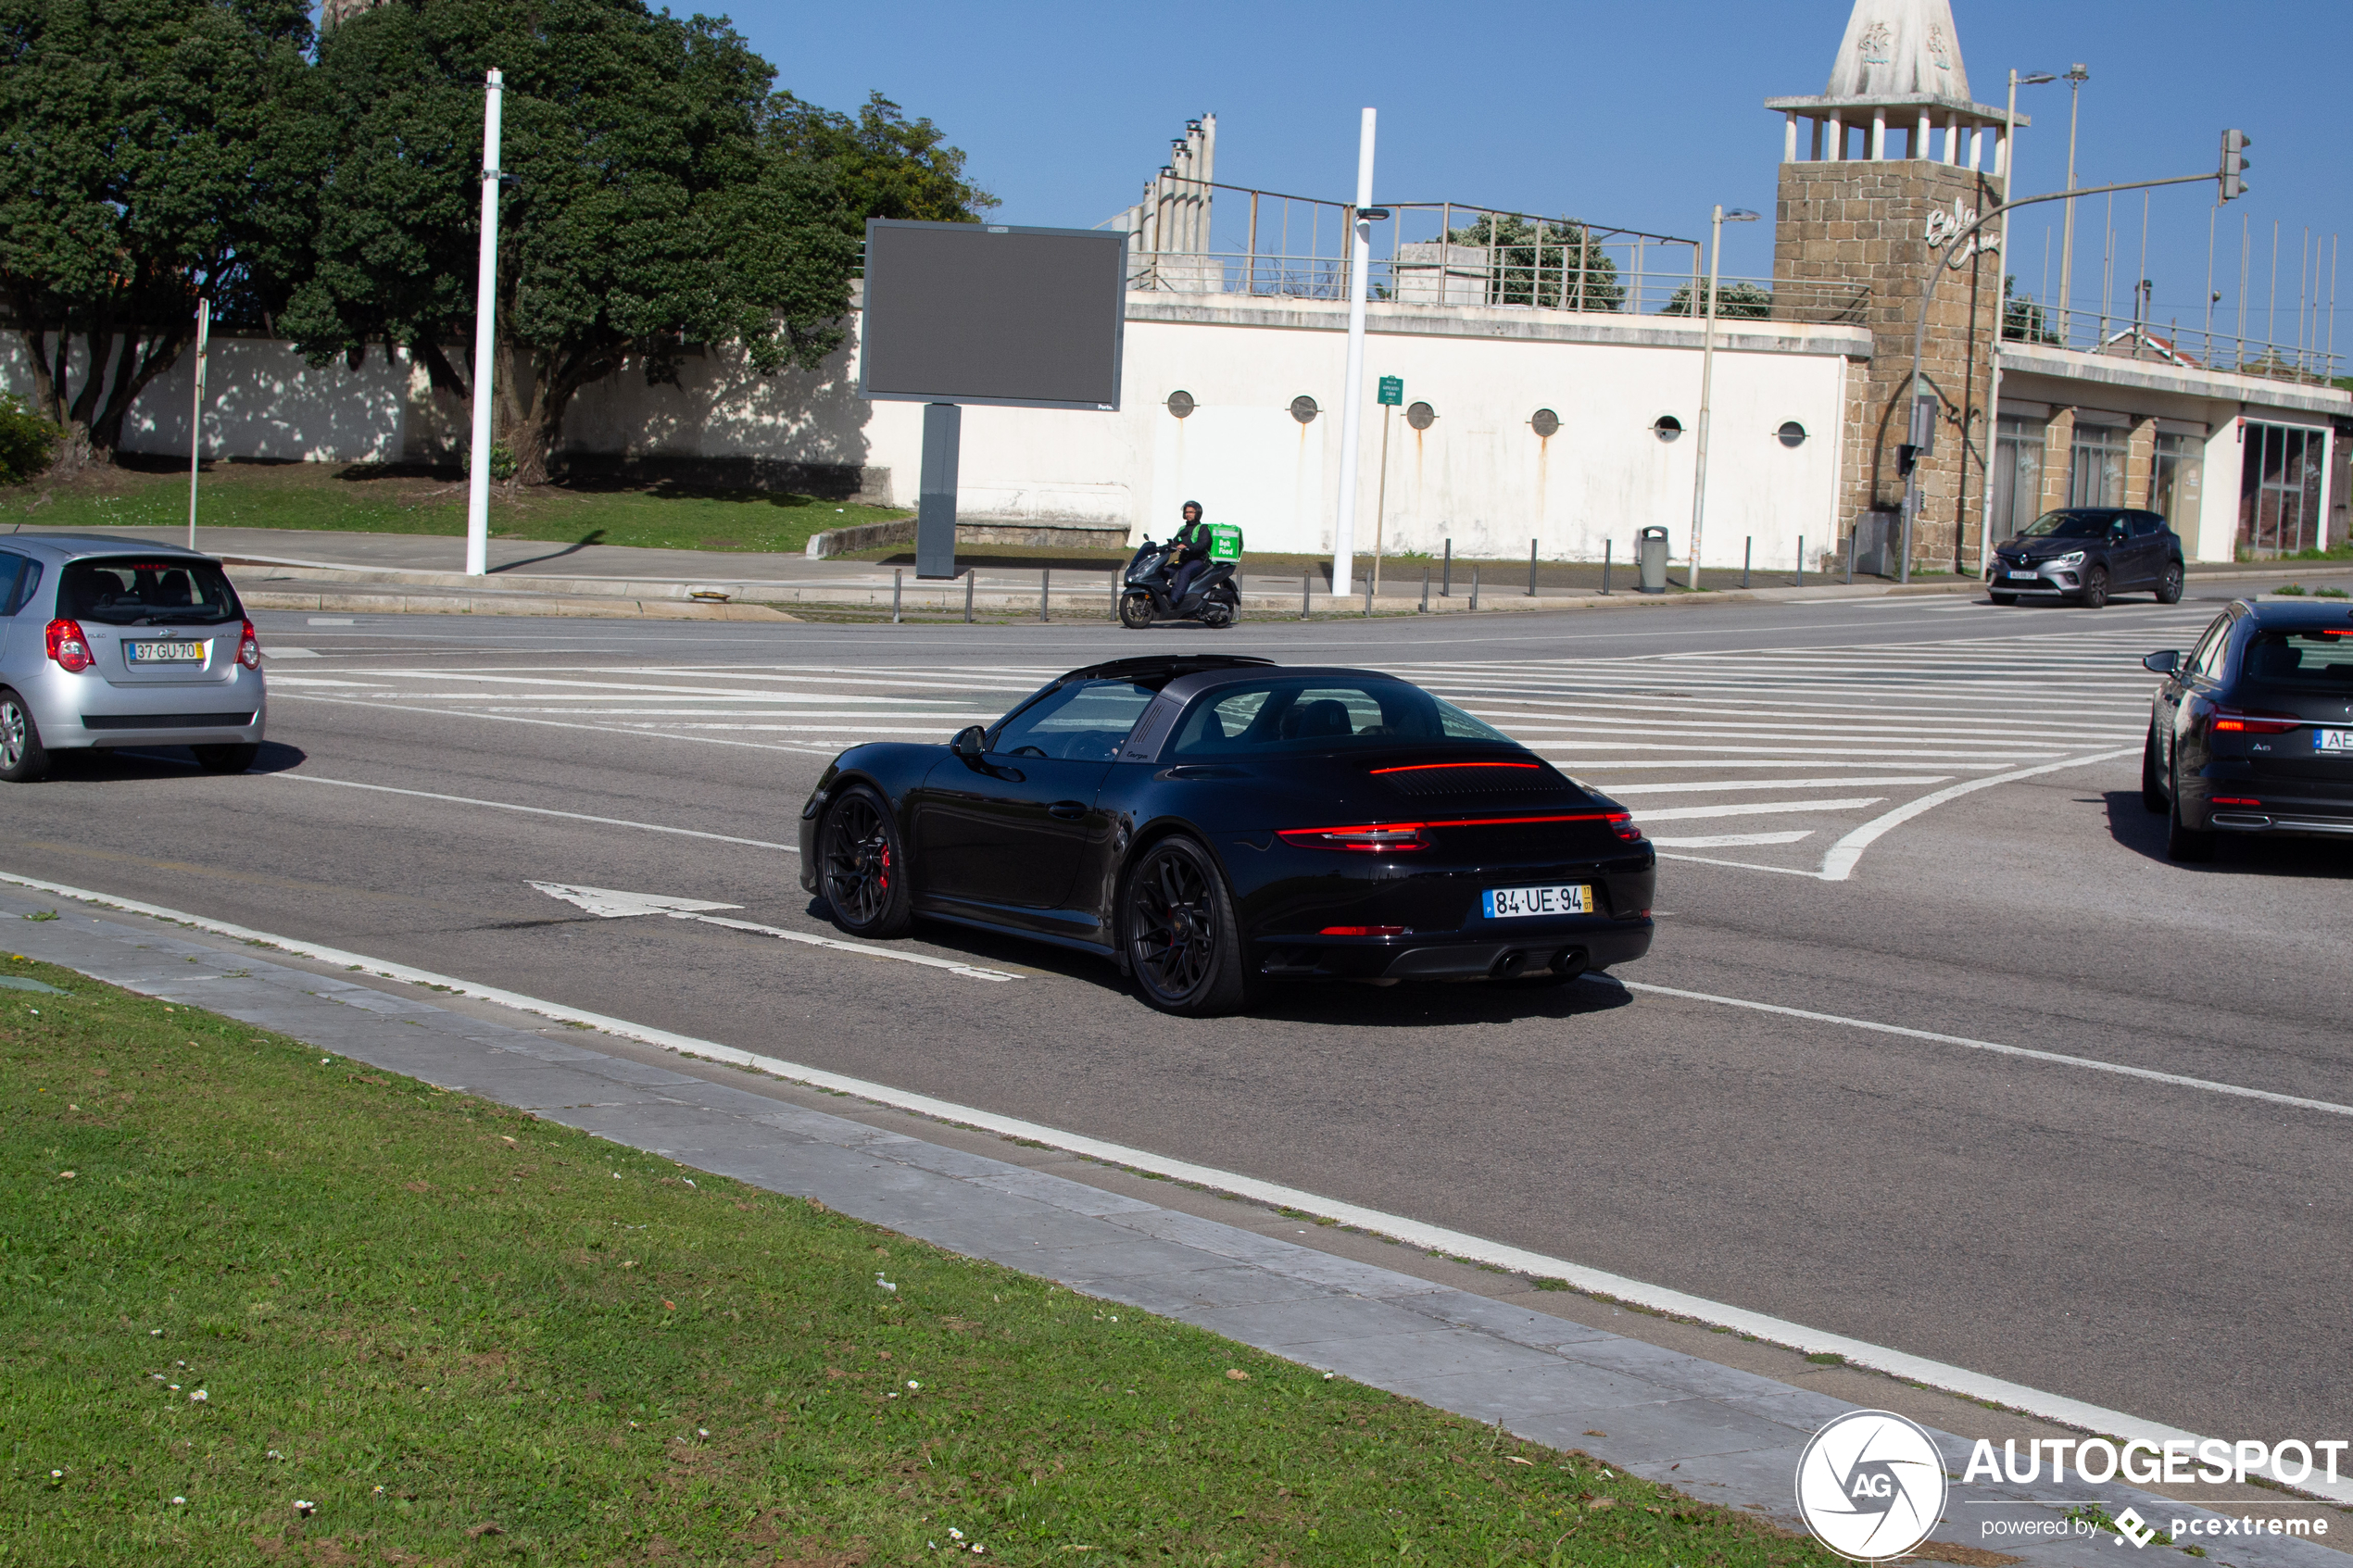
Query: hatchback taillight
pixel 2231 720
pixel 249 648
pixel 68 647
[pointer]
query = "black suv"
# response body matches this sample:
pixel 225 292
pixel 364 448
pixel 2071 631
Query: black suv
pixel 2253 730
pixel 2088 553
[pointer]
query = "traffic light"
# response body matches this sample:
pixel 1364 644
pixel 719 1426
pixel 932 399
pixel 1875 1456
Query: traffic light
pixel 2234 163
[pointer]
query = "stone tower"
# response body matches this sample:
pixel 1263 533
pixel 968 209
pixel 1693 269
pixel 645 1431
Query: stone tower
pixel 1859 226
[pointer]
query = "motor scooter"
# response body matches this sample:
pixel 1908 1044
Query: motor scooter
pixel 1213 597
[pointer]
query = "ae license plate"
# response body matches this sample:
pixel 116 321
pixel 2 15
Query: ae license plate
pixel 2333 740
pixel 165 653
pixel 1511 903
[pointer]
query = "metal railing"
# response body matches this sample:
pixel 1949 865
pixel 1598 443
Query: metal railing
pixel 2198 348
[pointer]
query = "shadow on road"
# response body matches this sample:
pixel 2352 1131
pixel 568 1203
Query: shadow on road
pixel 108 763
pixel 2142 831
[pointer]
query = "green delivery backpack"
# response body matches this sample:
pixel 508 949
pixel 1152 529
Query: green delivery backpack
pixel 1225 542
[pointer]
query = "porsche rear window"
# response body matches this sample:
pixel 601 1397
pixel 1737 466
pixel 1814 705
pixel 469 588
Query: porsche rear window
pixel 128 590
pixel 2313 661
pixel 1308 714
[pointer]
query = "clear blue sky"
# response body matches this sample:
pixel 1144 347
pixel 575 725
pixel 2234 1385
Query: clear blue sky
pixel 1613 113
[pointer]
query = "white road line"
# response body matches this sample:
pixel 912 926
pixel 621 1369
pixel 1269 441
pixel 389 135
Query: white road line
pixel 1417 1233
pixel 1733 840
pixel 545 723
pixel 536 811
pixel 1689 788
pixel 2090 1064
pixel 612 904
pixel 1839 861
pixel 1758 808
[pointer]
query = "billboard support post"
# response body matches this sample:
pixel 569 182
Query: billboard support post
pixel 936 493
pixel 1352 413
pixel 485 336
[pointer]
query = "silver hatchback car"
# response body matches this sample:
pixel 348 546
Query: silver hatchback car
pixel 109 642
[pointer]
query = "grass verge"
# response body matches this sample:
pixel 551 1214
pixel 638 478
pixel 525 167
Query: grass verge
pixel 265 1304
pixel 376 500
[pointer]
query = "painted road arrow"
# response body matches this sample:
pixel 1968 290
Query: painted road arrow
pixel 609 903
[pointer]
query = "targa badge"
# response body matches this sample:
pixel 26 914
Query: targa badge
pixel 1871 1486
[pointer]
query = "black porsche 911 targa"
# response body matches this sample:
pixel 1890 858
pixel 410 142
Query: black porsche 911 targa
pixel 1211 823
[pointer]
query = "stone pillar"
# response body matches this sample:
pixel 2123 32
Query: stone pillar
pixel 1863 227
pixel 2139 462
pixel 2058 459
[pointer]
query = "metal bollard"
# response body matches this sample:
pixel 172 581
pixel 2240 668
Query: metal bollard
pixel 896 575
pixel 1748 547
pixel 1531 569
pixel 1045 586
pixel 1474 589
pixel 1850 557
pixel 1425 609
pixel 1446 584
pixel 1304 582
pixel 1801 560
pixel 1606 555
pixel 969 576
pixel 1368 595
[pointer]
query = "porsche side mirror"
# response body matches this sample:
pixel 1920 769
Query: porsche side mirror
pixel 970 742
pixel 2161 663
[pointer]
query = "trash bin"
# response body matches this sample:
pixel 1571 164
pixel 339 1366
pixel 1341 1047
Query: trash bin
pixel 1654 561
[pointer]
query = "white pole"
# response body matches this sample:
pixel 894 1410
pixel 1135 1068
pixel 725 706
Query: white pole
pixel 195 412
pixel 485 307
pixel 1352 413
pixel 1707 386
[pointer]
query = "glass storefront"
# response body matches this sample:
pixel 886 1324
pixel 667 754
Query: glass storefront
pixel 2017 479
pixel 2176 481
pixel 2280 488
pixel 2095 465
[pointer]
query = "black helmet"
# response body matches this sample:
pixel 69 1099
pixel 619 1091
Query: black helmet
pixel 1192 506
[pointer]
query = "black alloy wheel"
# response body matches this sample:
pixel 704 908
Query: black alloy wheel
pixel 2182 843
pixel 2095 593
pixel 862 867
pixel 2152 786
pixel 22 757
pixel 1182 940
pixel 1135 611
pixel 226 758
pixel 2169 587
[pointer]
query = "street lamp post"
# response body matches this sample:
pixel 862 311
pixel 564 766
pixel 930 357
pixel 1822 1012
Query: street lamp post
pixel 1352 417
pixel 485 336
pixel 2077 75
pixel 1708 373
pixel 2002 318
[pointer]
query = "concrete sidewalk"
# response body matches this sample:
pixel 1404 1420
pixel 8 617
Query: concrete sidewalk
pixel 1719 1432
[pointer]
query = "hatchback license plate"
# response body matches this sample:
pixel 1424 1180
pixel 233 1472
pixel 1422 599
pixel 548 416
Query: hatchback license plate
pixel 2333 740
pixel 1512 903
pixel 165 653
pixel 2025 576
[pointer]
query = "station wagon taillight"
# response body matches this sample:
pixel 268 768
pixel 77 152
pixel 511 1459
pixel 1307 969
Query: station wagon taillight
pixel 2232 720
pixel 69 647
pixel 249 648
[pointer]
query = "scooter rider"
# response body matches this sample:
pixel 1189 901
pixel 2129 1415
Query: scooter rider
pixel 1192 553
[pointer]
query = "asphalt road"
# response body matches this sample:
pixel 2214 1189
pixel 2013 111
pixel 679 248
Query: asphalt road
pixel 2168 1250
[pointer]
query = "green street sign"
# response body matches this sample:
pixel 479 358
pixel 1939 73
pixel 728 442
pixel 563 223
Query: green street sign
pixel 1392 390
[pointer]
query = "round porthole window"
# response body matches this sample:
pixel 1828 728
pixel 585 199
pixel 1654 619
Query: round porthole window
pixel 1791 434
pixel 1303 409
pixel 1544 422
pixel 1666 427
pixel 1180 404
pixel 1421 416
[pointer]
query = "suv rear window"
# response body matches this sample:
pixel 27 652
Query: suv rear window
pixel 133 590
pixel 2306 660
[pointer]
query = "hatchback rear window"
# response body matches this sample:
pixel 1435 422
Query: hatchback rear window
pixel 135 590
pixel 2308 660
pixel 1309 714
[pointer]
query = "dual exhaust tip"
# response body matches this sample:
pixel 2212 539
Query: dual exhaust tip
pixel 1567 962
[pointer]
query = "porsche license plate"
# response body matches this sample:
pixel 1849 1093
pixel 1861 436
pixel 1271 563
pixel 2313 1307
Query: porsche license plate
pixel 2333 740
pixel 1511 903
pixel 165 653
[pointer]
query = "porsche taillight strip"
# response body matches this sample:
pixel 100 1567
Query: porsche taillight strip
pixel 1410 835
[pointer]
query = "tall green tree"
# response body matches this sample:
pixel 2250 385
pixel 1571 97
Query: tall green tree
pixel 1550 263
pixel 884 164
pixel 647 212
pixel 1734 302
pixel 2022 319
pixel 152 153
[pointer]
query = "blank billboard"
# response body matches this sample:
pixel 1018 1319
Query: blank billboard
pixel 987 313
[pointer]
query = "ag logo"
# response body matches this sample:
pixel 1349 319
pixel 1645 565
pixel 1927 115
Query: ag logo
pixel 1871 1486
